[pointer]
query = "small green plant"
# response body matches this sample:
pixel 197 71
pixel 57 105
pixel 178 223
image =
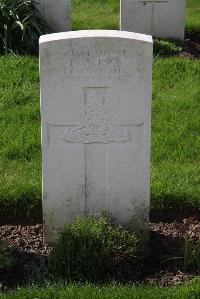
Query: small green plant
pixel 192 255
pixel 20 26
pixel 166 48
pixel 91 249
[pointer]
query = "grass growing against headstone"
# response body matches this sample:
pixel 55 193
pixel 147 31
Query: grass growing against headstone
pixel 175 136
pixel 97 250
pixel 187 290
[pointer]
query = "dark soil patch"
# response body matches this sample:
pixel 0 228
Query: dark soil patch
pixel 191 49
pixel 191 46
pixel 162 266
pixel 173 214
pixel 166 263
pixel 29 253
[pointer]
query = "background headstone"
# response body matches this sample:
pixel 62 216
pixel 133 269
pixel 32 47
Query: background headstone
pixel 57 13
pixel 96 121
pixel 160 18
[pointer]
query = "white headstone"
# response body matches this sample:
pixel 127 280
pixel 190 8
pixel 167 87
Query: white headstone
pixel 57 13
pixel 160 18
pixel 96 121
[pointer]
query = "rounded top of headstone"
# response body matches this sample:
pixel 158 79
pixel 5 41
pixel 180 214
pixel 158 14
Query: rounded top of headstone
pixel 95 33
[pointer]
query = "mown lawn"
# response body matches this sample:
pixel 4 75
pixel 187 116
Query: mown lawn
pixel 95 14
pixel 20 149
pixel 175 123
pixel 193 16
pixel 189 290
pixel 175 133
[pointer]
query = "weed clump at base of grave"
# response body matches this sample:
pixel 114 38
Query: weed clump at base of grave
pixel 92 249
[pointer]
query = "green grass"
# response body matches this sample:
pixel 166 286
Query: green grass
pixel 189 290
pixel 98 14
pixel 193 16
pixel 175 138
pixel 20 163
pixel 176 126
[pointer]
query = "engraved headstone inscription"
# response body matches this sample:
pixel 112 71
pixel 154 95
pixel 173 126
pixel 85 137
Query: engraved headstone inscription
pixel 160 18
pixel 96 122
pixel 56 13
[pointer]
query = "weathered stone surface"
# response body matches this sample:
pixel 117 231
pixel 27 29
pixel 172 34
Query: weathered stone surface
pixel 57 13
pixel 160 18
pixel 96 117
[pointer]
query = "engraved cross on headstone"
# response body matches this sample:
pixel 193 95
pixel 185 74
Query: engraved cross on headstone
pixel 152 3
pixel 94 128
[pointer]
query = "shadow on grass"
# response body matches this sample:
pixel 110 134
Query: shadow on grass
pixel 24 210
pixel 193 32
pixel 169 207
pixel 27 209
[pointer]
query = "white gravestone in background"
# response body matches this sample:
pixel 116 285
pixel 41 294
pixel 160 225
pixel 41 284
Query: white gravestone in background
pixel 96 116
pixel 57 13
pixel 160 18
